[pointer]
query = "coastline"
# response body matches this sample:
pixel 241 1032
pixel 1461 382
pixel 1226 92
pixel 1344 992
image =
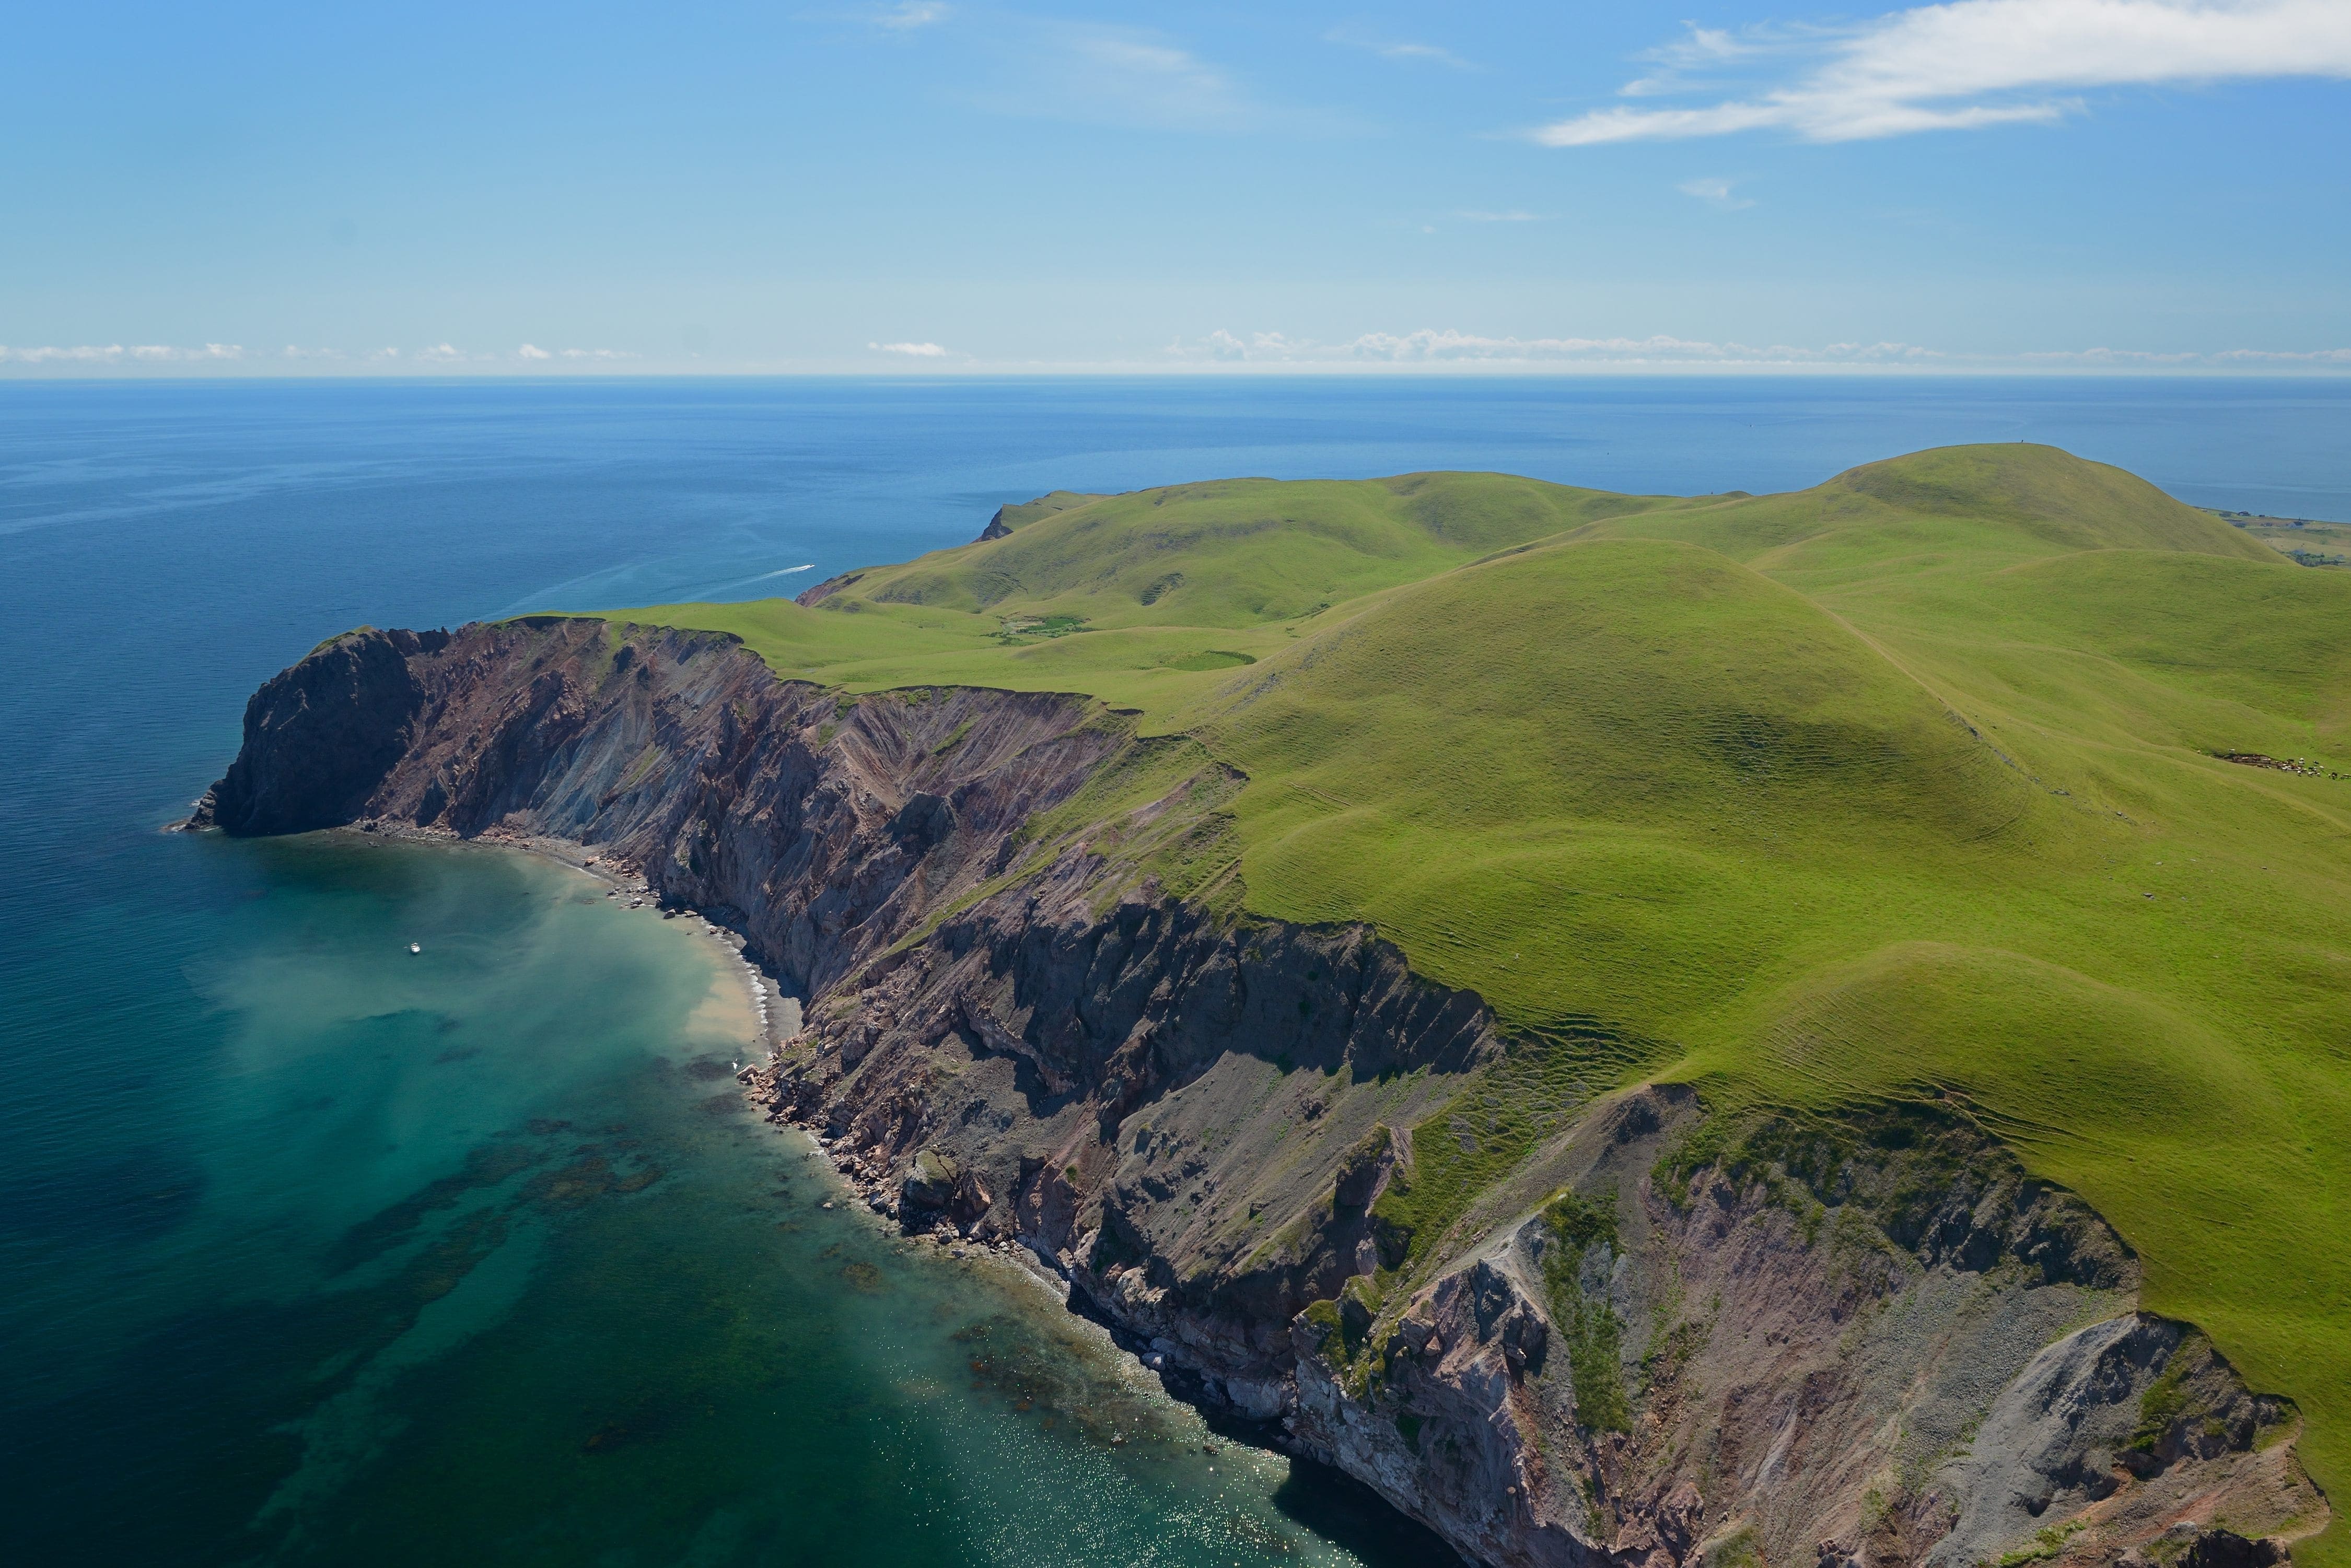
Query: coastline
pixel 913 1333
pixel 775 1011
pixel 1022 1278
pixel 977 1070
pixel 775 1018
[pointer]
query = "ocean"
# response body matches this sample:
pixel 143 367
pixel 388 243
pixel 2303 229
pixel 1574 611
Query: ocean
pixel 313 1248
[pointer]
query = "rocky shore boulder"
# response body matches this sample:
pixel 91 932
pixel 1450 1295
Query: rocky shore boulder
pixel 930 1181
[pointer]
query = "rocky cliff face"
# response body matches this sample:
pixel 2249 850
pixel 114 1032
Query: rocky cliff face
pixel 1320 1195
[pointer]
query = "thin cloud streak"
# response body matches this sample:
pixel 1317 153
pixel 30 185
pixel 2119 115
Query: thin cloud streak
pixel 116 354
pixel 1092 74
pixel 1424 350
pixel 1700 50
pixel 1718 192
pixel 1431 347
pixel 1391 49
pixel 912 14
pixel 1436 346
pixel 1097 74
pixel 228 353
pixel 1977 63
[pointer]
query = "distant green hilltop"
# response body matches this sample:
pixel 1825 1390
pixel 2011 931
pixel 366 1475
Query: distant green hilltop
pixel 1929 781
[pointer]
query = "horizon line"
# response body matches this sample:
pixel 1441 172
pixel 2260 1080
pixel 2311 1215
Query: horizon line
pixel 82 374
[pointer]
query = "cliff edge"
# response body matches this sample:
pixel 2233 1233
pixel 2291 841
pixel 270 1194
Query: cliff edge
pixel 1561 1318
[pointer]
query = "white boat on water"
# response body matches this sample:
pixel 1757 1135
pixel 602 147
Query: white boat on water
pixel 416 947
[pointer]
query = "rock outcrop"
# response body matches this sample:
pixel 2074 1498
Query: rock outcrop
pixel 320 737
pixel 1605 1328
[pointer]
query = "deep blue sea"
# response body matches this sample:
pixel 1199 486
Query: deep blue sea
pixel 316 1250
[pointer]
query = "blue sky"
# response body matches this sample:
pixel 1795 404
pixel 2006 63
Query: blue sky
pixel 928 184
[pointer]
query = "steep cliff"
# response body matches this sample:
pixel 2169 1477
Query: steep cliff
pixel 1562 1320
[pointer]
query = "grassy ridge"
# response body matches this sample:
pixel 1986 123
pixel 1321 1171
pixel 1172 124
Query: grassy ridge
pixel 1243 552
pixel 1613 813
pixel 1902 785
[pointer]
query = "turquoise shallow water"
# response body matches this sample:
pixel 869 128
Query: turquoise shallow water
pixel 313 1250
pixel 474 1254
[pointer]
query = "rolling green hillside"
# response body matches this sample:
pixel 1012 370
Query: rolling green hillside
pixel 1239 552
pixel 1904 785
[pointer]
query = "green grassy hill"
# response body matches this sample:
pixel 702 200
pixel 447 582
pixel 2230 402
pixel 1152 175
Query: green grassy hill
pixel 1239 552
pixel 1904 785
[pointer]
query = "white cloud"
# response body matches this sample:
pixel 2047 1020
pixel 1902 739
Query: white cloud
pixel 1394 50
pixel 115 353
pixel 1433 346
pixel 910 15
pixel 1423 52
pixel 1697 48
pixel 1512 216
pixel 1099 75
pixel 86 353
pixel 1424 350
pixel 1974 63
pixel 2225 357
pixel 1152 81
pixel 2110 357
pixel 223 354
pixel 1718 192
pixel 2287 356
pixel 1703 55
